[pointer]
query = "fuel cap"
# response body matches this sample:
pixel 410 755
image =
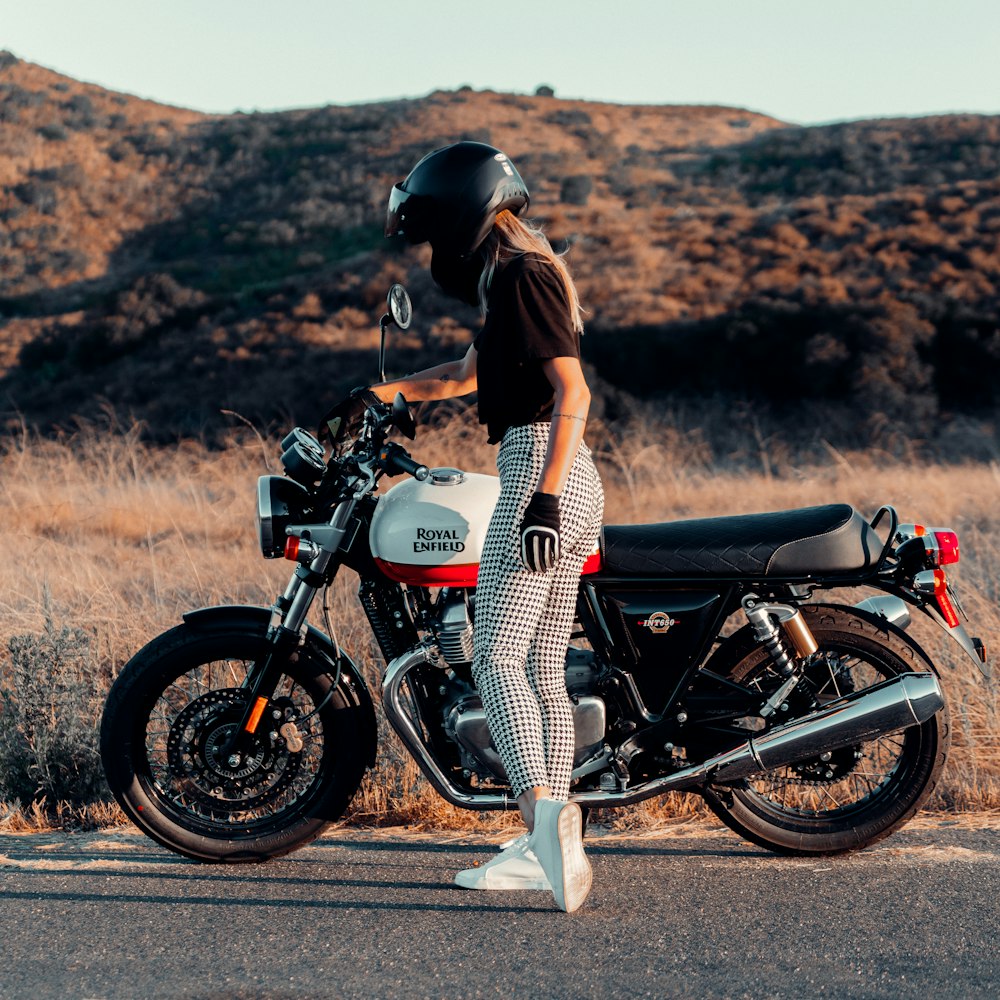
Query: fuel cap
pixel 447 477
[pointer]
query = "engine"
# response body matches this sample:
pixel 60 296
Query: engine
pixel 430 534
pixel 464 718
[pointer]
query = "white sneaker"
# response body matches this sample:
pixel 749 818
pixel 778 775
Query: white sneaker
pixel 558 844
pixel 516 867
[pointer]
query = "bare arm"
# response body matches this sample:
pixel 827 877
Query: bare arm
pixel 453 378
pixel 569 419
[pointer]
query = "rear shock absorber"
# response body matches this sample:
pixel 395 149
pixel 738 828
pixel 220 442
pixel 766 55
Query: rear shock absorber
pixel 765 620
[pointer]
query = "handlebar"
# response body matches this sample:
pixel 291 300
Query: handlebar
pixel 393 459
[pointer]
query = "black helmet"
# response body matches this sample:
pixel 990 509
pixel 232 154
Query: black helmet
pixel 452 196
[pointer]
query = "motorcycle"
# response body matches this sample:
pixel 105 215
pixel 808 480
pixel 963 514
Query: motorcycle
pixel 701 661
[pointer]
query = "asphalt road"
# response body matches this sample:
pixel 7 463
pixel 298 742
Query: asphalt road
pixel 692 912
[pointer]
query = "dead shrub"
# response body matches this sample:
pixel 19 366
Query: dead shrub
pixel 51 697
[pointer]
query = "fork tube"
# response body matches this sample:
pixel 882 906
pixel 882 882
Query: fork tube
pixel 262 678
pixel 308 579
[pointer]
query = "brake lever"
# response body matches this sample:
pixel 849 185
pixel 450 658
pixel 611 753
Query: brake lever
pixel 369 473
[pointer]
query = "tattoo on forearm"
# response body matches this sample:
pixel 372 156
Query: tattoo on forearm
pixel 570 416
pixel 444 378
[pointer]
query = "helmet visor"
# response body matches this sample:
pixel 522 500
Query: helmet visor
pixel 402 217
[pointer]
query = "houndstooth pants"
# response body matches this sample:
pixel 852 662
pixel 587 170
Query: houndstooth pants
pixel 523 619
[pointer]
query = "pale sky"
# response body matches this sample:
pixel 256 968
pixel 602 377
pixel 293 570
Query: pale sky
pixel 804 61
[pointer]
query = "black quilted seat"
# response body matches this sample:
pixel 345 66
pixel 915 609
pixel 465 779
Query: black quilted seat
pixel 803 542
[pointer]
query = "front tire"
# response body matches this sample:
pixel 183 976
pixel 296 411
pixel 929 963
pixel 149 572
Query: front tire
pixel 167 720
pixel 860 794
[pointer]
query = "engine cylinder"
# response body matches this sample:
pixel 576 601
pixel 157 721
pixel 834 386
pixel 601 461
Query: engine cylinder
pixel 455 630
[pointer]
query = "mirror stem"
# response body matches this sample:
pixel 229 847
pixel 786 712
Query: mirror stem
pixel 382 324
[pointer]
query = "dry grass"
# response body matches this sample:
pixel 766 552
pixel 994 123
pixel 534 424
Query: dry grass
pixel 109 535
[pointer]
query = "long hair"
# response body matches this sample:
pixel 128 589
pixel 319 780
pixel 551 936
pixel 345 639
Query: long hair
pixel 511 237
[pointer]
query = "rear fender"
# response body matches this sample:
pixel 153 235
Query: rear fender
pixel 253 618
pixel 888 608
pixel 974 647
pixel 885 625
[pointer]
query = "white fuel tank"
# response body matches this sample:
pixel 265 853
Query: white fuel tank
pixel 431 533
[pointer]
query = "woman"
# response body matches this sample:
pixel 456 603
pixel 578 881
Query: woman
pixel 465 200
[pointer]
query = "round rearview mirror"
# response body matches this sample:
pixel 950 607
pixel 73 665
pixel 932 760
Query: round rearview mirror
pixel 399 306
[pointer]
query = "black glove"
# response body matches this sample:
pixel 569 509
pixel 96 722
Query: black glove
pixel 540 533
pixel 345 418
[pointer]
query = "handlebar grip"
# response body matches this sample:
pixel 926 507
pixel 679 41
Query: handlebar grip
pixel 415 469
pixel 394 460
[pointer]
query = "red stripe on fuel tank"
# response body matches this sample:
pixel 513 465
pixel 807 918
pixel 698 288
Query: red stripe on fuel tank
pixel 459 575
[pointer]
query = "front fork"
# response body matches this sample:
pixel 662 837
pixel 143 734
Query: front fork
pixel 288 619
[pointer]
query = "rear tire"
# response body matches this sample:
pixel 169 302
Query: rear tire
pixel 167 718
pixel 864 793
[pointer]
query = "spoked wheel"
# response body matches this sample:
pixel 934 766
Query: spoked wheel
pixel 165 745
pixel 844 799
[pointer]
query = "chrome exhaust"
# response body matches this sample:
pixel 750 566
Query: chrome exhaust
pixel 409 732
pixel 895 704
pixel 898 703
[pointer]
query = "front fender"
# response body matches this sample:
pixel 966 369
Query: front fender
pixel 254 618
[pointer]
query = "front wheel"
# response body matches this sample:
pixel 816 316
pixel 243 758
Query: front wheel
pixel 852 797
pixel 166 726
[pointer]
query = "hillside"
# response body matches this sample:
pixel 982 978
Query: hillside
pixel 236 262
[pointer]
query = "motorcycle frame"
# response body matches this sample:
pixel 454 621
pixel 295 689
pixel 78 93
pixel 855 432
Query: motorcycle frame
pixel 787 590
pixel 796 590
pixel 344 541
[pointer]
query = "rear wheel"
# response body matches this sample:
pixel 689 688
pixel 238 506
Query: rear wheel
pixel 164 736
pixel 849 798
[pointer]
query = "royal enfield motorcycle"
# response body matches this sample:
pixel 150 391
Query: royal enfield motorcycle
pixel 710 656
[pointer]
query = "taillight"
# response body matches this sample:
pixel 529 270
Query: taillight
pixel 919 546
pixel 947 547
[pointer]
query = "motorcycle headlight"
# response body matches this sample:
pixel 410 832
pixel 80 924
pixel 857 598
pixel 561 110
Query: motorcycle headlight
pixel 280 502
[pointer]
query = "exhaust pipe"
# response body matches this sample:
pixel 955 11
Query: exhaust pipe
pixel 898 703
pixel 895 704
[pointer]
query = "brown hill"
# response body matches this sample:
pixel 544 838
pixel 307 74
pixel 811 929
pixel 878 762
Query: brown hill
pixel 237 261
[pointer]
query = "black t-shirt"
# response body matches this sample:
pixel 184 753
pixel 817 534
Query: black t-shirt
pixel 528 321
